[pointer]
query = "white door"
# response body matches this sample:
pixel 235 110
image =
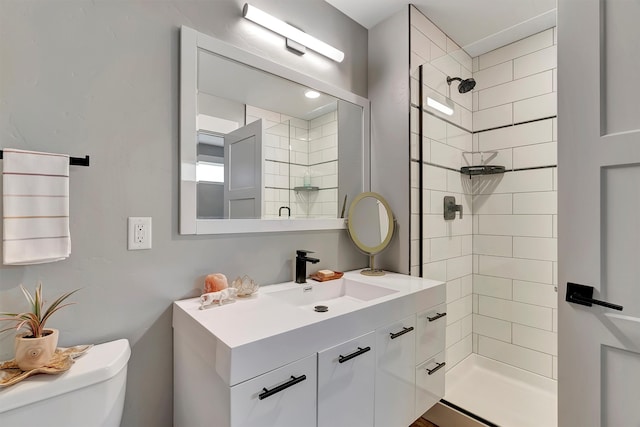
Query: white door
pixel 243 172
pixel 599 211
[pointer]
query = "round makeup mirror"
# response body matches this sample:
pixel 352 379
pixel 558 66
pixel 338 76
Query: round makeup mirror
pixel 371 226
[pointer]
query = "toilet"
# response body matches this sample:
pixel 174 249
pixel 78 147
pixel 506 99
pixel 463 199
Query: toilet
pixel 90 394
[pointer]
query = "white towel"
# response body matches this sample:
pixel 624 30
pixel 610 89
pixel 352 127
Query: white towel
pixel 35 207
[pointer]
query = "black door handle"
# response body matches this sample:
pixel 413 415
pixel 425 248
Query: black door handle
pixel 583 295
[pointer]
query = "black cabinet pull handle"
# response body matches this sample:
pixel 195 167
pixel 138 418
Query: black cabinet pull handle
pixel 583 295
pixel 438 366
pixel 356 353
pixel 266 392
pixel 402 332
pixel 436 317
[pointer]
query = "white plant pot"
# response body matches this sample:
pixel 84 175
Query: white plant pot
pixel 34 353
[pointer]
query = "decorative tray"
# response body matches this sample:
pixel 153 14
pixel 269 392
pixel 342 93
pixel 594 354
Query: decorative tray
pixel 336 275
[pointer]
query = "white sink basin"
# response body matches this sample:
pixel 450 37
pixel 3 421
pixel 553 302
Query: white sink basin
pixel 333 294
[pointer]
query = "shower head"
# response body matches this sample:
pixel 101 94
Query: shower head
pixel 465 85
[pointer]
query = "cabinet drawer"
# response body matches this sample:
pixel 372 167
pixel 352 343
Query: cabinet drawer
pixel 429 383
pixel 284 397
pixel 346 375
pixel 395 373
pixel 430 332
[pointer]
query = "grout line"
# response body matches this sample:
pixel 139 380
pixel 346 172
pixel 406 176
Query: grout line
pixel 516 124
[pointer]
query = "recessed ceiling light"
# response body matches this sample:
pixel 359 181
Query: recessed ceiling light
pixel 312 94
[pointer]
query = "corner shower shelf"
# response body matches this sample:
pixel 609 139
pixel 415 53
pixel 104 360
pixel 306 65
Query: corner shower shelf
pixel 481 170
pixel 306 188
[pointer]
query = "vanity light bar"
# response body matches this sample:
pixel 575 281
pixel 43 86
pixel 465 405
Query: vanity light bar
pixel 446 109
pixel 274 24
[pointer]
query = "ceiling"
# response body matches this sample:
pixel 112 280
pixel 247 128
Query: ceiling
pixel 478 26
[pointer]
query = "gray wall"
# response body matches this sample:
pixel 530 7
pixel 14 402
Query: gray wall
pixel 390 115
pixel 101 78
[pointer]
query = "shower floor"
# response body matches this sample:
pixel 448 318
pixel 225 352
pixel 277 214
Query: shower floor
pixel 502 394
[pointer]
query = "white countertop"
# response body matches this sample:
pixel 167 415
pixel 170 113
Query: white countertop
pixel 280 332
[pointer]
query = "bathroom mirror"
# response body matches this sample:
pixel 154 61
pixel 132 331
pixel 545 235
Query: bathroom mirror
pixel 371 226
pixel 256 154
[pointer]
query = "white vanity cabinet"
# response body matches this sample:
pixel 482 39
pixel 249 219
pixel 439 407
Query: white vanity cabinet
pixel 270 361
pixel 395 373
pixel 284 397
pixel 346 379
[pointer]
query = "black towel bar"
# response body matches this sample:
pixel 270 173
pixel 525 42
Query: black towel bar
pixel 73 161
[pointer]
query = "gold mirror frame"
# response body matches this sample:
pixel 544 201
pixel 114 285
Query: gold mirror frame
pixel 371 250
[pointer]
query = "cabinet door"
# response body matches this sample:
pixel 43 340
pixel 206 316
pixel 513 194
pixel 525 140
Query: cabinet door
pixel 429 383
pixel 430 332
pixel 395 374
pixel 346 375
pixel 284 397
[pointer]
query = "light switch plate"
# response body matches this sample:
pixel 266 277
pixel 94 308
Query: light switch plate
pixel 139 236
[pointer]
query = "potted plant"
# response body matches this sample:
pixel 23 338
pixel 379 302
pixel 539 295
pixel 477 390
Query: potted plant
pixel 35 346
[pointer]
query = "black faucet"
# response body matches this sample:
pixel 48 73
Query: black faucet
pixel 301 265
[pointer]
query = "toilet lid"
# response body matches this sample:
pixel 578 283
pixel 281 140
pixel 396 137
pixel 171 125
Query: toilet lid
pixel 101 363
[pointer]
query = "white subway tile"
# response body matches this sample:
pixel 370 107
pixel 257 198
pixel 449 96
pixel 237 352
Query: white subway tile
pixel 466 119
pixel 434 178
pixel 475 343
pixel 453 290
pixel 463 99
pixel 426 201
pixel 515 268
pixel 459 267
pixel 555 273
pixel 460 227
pixel 434 79
pixel 516 136
pixel 555 368
pixel 493 245
pixel 436 271
pixel 466 325
pixel 474 103
pixel 555 320
pixel 437 203
pixel 535 293
pixel 428 28
pixel 516 49
pixel 460 308
pixel 493 117
pixel 516 225
pixel 512 311
pixel 446 247
pixel 420 44
pixel 555 79
pixel 459 138
pixel 530 360
pixel 458 352
pixel 476 262
pixel 475 64
pixel 497 287
pixel 502 157
pixel 555 226
pixel 434 127
pixel 535 62
pixel 545 202
pixel 463 58
pixel 467 245
pixel 415 250
pixel 414 175
pixel 452 334
pixel 516 90
pixel 426 251
pixel 535 339
pixel 493 204
pixel 517 182
pixel 444 155
pixel 415 201
pixel 466 285
pixel 535 108
pixel 455 184
pixel 414 148
pixel 536 155
pixel 490 327
pixel 545 249
pixel 493 76
pixel 475 303
pixel 436 51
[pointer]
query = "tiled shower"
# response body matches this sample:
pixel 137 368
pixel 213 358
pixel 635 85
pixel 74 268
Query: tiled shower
pixel 500 259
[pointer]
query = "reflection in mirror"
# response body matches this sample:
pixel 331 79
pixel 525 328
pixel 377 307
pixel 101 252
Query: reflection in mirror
pixel 371 226
pixel 304 157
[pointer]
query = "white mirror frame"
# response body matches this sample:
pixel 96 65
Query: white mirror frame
pixel 192 40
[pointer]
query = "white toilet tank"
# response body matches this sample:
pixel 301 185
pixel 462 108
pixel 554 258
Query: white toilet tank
pixel 90 394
